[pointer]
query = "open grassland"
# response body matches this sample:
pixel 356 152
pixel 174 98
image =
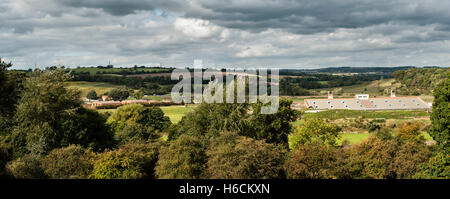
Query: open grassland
pixel 85 87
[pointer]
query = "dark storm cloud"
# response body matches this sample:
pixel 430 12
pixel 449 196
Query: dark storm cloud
pixel 312 16
pixel 122 7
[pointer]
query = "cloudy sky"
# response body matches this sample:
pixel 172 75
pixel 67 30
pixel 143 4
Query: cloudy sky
pixel 274 33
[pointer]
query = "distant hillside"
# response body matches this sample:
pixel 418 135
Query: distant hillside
pixel 417 81
pixel 380 70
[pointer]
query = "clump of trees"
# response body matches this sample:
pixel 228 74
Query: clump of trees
pixel 419 80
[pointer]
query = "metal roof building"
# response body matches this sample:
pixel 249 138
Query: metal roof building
pixel 363 102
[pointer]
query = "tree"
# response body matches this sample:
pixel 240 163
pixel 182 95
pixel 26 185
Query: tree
pixel 371 159
pixel 408 159
pixel 134 121
pixel 273 128
pixel 208 120
pixel 315 131
pixel 437 167
pixel 184 158
pixel 10 88
pixel 26 167
pixel 440 116
pixel 130 161
pixel 69 162
pixel 92 95
pixel 237 157
pixel 409 132
pixel 119 94
pixel 314 161
pixel 50 116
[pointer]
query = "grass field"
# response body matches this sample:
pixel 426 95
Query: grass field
pixel 353 138
pixel 175 113
pixel 99 87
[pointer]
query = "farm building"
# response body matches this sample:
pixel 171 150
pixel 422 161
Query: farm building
pixel 364 102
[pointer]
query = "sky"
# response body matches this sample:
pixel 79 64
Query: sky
pixel 225 33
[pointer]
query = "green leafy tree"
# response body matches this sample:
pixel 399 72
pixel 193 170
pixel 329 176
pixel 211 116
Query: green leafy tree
pixel 438 167
pixel 69 162
pixel 131 161
pixel 92 95
pixel 10 88
pixel 50 116
pixel 119 94
pixel 208 120
pixel 273 128
pixel 237 157
pixel 440 116
pixel 184 158
pixel 134 122
pixel 315 131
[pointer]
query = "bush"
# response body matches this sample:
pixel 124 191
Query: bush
pixel 238 157
pixel 131 161
pixel 184 158
pixel 26 167
pixel 70 162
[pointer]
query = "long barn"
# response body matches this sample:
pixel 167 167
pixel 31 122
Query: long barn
pixel 364 102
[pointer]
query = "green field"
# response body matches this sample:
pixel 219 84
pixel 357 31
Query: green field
pixel 353 138
pixel 175 113
pixel 85 87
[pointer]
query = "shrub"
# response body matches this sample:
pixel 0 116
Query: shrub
pixel 237 157
pixel 69 162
